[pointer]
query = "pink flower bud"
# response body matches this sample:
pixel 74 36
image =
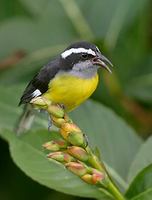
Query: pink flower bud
pixel 78 152
pixel 55 145
pixel 93 178
pixel 52 146
pixel 97 176
pixel 61 157
pixel 77 168
pixel 68 128
pixel 87 178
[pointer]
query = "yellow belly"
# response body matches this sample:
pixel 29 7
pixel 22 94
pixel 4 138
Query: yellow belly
pixel 70 91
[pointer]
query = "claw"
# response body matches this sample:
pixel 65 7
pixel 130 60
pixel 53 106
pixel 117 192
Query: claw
pixel 62 106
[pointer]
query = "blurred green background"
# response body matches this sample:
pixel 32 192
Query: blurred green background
pixel 34 31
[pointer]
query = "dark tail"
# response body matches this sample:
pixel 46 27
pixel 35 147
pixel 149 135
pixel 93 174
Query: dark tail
pixel 25 121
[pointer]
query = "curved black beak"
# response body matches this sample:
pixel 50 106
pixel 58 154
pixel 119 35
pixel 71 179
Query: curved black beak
pixel 102 61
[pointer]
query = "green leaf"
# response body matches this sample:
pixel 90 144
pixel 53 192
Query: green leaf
pixel 12 33
pixel 10 8
pixel 141 184
pixel 144 196
pixel 114 17
pixel 117 142
pixel 29 156
pixel 142 159
pixel 35 6
pixel 120 14
pixel 8 106
pixel 141 88
pixel 112 140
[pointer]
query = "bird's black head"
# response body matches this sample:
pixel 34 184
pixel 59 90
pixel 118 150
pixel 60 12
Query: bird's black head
pixel 83 53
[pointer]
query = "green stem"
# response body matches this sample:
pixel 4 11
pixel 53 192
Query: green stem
pixel 114 191
pixel 112 188
pixel 94 161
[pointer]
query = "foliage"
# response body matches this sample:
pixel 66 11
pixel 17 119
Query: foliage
pixel 31 33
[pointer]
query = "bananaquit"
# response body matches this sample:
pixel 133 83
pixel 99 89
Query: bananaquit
pixel 68 80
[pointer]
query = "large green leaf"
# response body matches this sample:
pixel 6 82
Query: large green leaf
pixel 28 154
pixel 117 142
pixel 35 6
pixel 142 159
pixel 104 129
pixel 144 196
pixel 141 87
pixel 8 106
pixel 141 184
pixel 11 8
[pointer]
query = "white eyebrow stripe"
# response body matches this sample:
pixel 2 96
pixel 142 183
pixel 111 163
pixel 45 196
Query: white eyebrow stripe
pixel 77 50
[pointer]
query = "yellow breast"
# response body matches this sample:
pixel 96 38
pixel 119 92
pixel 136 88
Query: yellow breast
pixel 70 91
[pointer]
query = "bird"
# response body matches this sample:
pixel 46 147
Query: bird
pixel 67 80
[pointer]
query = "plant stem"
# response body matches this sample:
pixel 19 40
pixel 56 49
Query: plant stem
pixel 96 163
pixel 94 160
pixel 114 191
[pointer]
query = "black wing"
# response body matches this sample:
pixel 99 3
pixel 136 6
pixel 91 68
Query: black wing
pixel 40 81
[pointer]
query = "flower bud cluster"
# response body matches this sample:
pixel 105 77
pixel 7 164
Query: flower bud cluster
pixel 88 174
pixel 72 150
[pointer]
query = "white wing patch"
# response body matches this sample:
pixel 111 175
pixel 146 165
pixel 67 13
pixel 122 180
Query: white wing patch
pixel 36 93
pixel 77 50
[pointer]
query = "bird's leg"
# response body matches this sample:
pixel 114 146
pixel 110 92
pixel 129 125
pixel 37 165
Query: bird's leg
pixel 49 123
pixel 86 139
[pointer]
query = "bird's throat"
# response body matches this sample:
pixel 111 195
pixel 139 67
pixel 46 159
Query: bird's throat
pixel 86 73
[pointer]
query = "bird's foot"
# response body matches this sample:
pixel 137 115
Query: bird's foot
pixel 61 105
pixel 49 123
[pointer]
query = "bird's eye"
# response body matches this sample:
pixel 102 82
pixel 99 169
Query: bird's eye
pixel 84 55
